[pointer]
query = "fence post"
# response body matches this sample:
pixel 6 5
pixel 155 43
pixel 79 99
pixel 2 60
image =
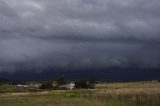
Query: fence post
pixel 120 99
pixel 137 99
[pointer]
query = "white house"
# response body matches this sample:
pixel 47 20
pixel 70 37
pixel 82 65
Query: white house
pixel 19 87
pixel 69 86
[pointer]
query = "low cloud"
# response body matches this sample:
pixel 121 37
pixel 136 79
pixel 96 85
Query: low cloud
pixel 75 34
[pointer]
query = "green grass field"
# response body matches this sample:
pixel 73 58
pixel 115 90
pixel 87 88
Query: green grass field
pixel 112 94
pixel 68 101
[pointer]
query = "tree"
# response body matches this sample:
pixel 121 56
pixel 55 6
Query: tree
pixel 92 80
pixel 46 85
pixel 81 84
pixel 61 80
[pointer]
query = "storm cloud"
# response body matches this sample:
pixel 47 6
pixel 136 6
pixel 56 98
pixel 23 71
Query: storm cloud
pixel 79 34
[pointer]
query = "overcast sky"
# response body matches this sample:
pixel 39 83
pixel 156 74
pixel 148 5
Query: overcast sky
pixel 79 34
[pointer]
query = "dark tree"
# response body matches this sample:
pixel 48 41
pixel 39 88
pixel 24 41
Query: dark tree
pixel 81 84
pixel 46 85
pixel 61 80
pixel 92 80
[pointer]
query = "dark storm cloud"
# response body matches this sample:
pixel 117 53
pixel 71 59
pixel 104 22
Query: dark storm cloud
pixel 75 34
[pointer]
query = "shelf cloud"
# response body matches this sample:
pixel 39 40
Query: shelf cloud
pixel 79 34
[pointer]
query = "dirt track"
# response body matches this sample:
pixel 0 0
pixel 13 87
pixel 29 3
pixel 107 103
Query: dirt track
pixel 24 94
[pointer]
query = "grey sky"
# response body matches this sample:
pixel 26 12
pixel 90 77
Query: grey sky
pixel 74 34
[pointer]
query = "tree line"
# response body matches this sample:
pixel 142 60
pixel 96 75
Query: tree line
pixel 86 84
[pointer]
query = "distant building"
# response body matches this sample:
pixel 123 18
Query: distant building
pixel 69 86
pixel 37 85
pixel 19 87
pixel 90 85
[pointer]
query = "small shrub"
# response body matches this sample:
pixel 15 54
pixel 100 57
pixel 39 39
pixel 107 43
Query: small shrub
pixel 47 85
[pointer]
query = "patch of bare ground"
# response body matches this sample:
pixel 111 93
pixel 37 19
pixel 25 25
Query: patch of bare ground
pixel 24 94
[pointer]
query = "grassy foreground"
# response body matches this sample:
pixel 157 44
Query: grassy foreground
pixel 117 94
pixel 67 101
pixel 48 101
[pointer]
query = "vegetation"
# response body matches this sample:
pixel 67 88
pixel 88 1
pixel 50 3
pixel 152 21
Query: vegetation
pixel 61 80
pixel 47 85
pixel 111 94
pixel 7 88
pixel 4 81
pixel 78 98
pixel 48 101
pixel 81 84
pixel 92 80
